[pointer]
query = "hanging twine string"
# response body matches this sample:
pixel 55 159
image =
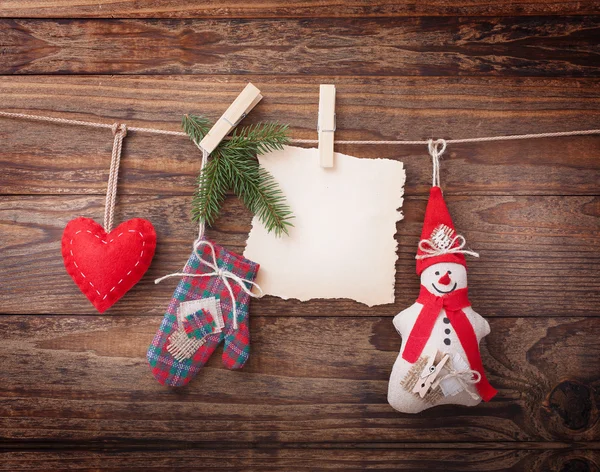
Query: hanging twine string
pixel 221 272
pixel 119 132
pixel 436 149
pixel 201 223
pixel 89 124
pixel 512 137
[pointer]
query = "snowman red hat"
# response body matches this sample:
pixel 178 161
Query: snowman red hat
pixel 439 241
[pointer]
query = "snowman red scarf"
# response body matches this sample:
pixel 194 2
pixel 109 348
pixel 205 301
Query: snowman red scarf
pixel 453 303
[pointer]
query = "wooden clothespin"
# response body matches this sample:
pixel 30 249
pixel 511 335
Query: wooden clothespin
pixel 429 374
pixel 236 112
pixel 327 124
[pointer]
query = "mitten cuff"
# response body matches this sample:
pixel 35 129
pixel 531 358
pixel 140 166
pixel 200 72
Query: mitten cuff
pixel 227 260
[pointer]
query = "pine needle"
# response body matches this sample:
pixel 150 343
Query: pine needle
pixel 233 166
pixel 196 127
pixel 210 193
pixel 259 191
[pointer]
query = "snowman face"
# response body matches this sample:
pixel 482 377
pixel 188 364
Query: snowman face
pixel 443 278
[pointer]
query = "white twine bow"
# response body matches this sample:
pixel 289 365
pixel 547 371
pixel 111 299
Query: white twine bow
pixel 431 249
pixel 220 272
pixel 464 378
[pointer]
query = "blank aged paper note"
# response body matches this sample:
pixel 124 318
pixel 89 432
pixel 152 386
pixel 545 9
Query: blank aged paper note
pixel 342 244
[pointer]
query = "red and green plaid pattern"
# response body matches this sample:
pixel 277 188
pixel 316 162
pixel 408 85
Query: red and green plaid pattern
pixel 199 324
pixel 169 371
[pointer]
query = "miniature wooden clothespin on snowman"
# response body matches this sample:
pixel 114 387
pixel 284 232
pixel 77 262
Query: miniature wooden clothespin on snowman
pixel 237 111
pixel 326 124
pixel 429 374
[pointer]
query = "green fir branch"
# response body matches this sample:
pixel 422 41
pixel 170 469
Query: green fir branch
pixel 258 139
pixel 259 191
pixel 210 192
pixel 233 166
pixel 195 126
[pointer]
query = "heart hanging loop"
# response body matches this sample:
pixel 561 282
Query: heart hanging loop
pixel 436 149
pixel 119 132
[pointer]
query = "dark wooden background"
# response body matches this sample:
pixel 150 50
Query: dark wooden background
pixel 75 388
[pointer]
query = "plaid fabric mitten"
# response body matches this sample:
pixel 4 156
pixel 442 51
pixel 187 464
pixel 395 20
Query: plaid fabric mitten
pixel 234 270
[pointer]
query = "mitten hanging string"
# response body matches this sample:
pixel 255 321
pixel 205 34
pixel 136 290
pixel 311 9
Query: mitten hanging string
pixel 119 132
pixel 202 224
pixel 436 149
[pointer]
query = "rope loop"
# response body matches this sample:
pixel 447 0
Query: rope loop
pixel 436 148
pixel 119 131
pixel 119 127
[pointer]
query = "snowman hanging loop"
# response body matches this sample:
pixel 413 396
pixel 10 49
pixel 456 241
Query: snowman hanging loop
pixel 443 239
pixel 436 149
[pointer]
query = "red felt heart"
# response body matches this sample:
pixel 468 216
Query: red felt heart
pixel 106 266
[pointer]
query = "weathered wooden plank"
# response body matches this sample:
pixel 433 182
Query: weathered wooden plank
pixel 414 458
pixel 274 9
pixel 539 255
pixel 308 380
pixel 468 46
pixel 46 158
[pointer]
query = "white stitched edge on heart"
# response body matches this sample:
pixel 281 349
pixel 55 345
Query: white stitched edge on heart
pixel 120 234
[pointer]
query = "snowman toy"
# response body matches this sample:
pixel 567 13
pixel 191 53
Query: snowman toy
pixel 439 361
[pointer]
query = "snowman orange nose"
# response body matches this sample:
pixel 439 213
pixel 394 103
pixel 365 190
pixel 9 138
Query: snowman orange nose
pixel 444 280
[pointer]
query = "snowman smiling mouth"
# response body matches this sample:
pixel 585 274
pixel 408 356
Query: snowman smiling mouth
pixel 442 291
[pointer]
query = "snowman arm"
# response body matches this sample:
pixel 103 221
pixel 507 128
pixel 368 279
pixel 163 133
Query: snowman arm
pixel 397 323
pixel 487 328
pixel 480 324
pixel 402 321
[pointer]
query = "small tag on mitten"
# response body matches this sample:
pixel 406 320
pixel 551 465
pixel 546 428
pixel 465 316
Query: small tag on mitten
pixel 204 321
pixel 199 324
pixel 209 304
pixel 196 319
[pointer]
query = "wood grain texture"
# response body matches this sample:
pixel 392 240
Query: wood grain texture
pixel 411 458
pixel 308 380
pixel 539 255
pixel 54 159
pixel 414 46
pixel 77 393
pixel 294 8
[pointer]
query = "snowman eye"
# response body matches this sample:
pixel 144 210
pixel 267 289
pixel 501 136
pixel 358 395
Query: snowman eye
pixel 449 272
pixel 437 272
